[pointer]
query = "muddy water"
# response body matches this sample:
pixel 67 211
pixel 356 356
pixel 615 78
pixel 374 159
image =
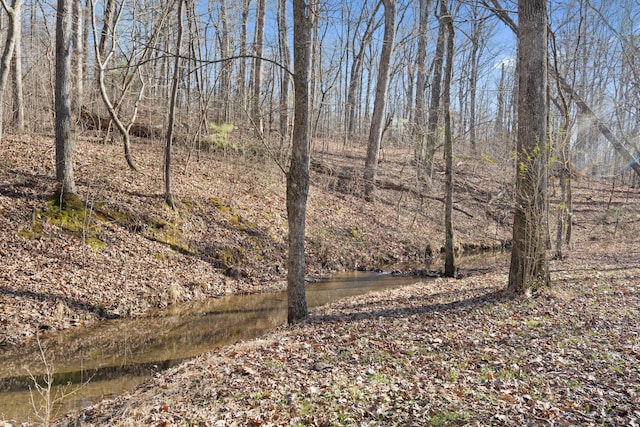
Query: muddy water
pixel 112 357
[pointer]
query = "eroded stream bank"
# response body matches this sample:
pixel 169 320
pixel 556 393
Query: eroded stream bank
pixel 114 356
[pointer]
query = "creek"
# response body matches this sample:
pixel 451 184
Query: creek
pixel 112 357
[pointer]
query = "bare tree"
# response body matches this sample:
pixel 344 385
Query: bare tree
pixel 298 174
pixel 14 13
pixel 420 118
pixel 256 80
pixel 101 63
pixel 224 90
pixel 242 77
pixel 64 143
pixel 168 197
pixel 434 104
pixel 16 73
pixel 109 16
pixel 585 112
pixel 477 40
pixel 355 78
pixel 529 266
pixel 284 76
pixel 382 89
pixel 78 57
pixel 449 261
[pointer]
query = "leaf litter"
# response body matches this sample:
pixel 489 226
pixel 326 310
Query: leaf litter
pixel 439 352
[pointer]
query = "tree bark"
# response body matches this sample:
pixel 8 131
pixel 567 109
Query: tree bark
pixel 382 89
pixel 434 104
pixel 529 266
pixel 242 69
pixel 14 13
pixel 258 48
pixel 284 75
pixel 78 57
pixel 168 197
pixel 449 256
pixel 298 174
pixel 64 143
pixel 226 67
pixel 16 65
pixel 420 118
pixel 107 27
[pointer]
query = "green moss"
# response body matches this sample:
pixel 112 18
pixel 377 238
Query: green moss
pixel 217 202
pixel 191 204
pixel 67 202
pixel 96 244
pixel 230 257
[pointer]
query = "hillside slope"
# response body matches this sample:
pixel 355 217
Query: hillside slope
pixel 127 251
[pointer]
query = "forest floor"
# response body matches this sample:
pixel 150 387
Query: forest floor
pixel 442 352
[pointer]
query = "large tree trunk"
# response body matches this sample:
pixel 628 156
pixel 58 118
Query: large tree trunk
pixel 64 142
pixel 449 256
pixel 529 266
pixel 8 51
pixel 168 196
pixel 382 89
pixel 298 175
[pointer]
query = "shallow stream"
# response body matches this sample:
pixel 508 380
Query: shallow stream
pixel 112 357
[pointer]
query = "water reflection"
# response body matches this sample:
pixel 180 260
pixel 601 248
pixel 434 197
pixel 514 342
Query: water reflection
pixel 116 355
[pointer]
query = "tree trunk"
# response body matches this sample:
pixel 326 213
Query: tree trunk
pixel 355 76
pixel 124 130
pixel 583 108
pixel 284 83
pixel 382 89
pixel 7 54
pixel 78 57
pixel 64 142
pixel 298 175
pixel 420 118
pixel 529 266
pixel 434 105
pixel 500 116
pixel 449 256
pixel 242 69
pixel 225 72
pixel 168 197
pixel 473 77
pixel 107 26
pixel 256 80
pixel 16 65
